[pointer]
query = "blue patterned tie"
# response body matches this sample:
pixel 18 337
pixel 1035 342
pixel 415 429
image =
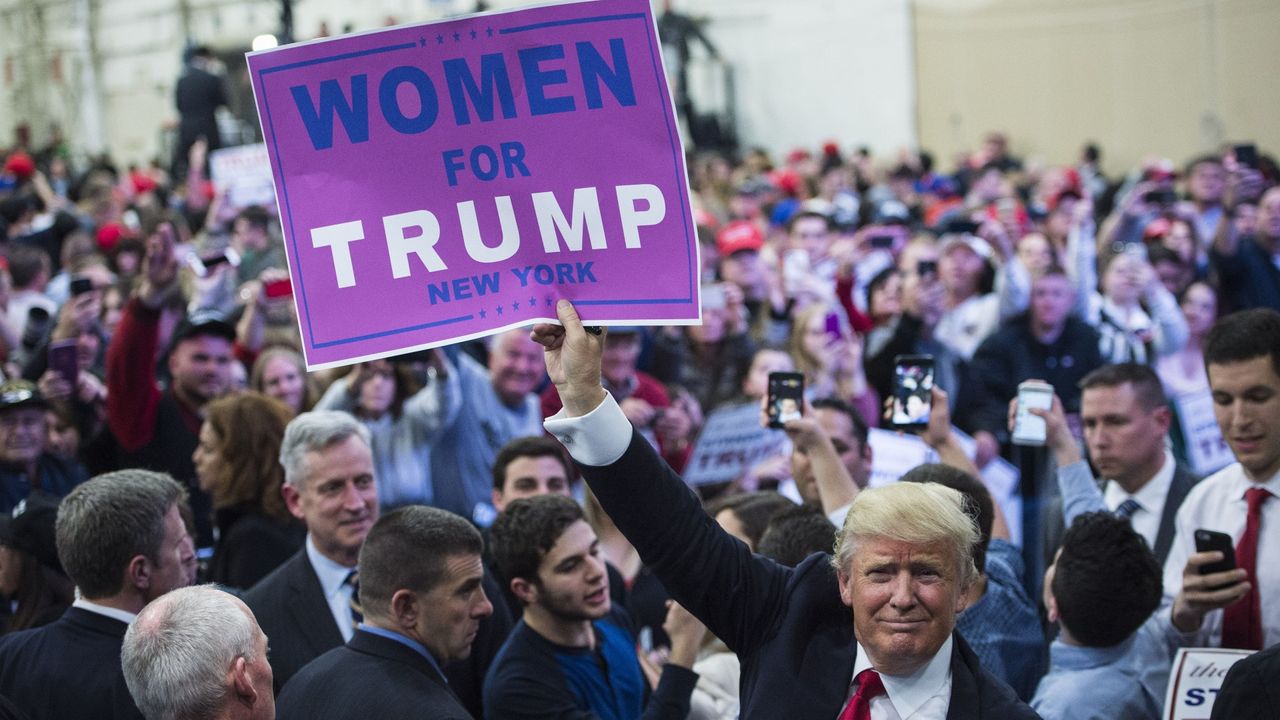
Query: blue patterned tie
pixel 357 612
pixel 1127 509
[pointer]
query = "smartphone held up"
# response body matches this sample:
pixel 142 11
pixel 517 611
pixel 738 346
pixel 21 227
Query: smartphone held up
pixel 786 398
pixel 912 391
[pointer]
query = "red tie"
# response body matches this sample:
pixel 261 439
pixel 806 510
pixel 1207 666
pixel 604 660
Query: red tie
pixel 859 707
pixel 1242 622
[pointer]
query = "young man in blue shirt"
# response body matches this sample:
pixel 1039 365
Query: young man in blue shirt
pixel 573 654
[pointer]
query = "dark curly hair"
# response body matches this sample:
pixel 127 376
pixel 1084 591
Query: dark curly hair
pixel 527 531
pixel 1106 582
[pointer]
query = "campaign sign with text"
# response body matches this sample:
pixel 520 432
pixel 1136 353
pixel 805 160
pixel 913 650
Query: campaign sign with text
pixel 243 174
pixel 1207 451
pixel 731 441
pixel 1195 680
pixel 448 180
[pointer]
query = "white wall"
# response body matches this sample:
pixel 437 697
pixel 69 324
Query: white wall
pixel 806 70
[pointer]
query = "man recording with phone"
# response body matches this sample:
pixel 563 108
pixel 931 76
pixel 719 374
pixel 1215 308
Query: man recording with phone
pixel 1117 636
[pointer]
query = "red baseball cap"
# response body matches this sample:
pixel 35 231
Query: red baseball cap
pixel 738 236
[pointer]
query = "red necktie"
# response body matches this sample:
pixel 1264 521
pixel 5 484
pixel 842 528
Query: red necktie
pixel 1242 622
pixel 859 707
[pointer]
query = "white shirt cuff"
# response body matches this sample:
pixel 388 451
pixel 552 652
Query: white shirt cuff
pixel 598 438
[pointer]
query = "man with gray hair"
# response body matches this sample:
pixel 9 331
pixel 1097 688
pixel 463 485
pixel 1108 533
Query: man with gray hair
pixel 123 542
pixel 423 600
pixel 311 603
pixel 903 565
pixel 197 653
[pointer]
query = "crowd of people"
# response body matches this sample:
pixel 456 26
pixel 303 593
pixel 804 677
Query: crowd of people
pixel 414 534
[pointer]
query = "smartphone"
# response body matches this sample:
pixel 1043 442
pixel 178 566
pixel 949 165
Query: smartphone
pixel 834 331
pixel 1247 155
pixel 912 391
pixel 227 257
pixel 80 286
pixel 881 241
pixel 1210 540
pixel 1163 196
pixel 64 360
pixel 278 288
pixel 963 227
pixel 786 397
pixel 925 268
pixel 1027 428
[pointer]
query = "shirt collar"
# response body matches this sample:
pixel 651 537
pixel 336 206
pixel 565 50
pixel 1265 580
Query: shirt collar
pixel 123 616
pixel 1243 483
pixel 407 642
pixel 909 692
pixel 1151 495
pixel 331 574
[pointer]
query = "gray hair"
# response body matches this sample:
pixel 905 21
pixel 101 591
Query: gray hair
pixel 106 522
pixel 176 653
pixel 312 432
pixel 913 513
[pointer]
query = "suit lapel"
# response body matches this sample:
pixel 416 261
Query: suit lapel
pixel 1182 483
pixel 310 609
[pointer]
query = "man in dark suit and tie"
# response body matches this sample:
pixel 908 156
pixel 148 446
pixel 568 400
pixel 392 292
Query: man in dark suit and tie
pixel 903 565
pixel 1126 417
pixel 423 601
pixel 122 541
pixel 305 606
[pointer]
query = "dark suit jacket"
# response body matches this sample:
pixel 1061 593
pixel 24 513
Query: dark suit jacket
pixel 250 545
pixel 1051 526
pixel 291 609
pixel 1250 690
pixel 788 626
pixel 68 669
pixel 369 677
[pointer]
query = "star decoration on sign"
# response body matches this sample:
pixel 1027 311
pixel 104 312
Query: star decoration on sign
pixel 474 34
pixel 489 32
pixel 550 301
pixel 483 313
pixel 439 39
pixel 515 305
pixel 499 309
pixel 533 301
pixel 457 36
pixel 422 41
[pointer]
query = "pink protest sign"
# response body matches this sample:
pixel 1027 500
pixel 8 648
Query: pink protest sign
pixel 449 180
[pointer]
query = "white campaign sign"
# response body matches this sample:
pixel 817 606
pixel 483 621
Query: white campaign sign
pixel 1195 680
pixel 244 174
pixel 1206 450
pixel 731 441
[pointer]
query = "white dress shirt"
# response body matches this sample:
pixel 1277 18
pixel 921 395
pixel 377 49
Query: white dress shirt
pixel 1150 498
pixel 922 695
pixel 332 578
pixel 1217 503
pixel 123 616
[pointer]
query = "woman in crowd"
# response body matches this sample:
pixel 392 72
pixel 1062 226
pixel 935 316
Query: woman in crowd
pixel 404 412
pixel 829 355
pixel 31 576
pixel 281 373
pixel 237 462
pixel 1183 372
pixel 1136 317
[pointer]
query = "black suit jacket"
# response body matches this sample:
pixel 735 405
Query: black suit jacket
pixel 68 669
pixel 291 609
pixel 1250 691
pixel 1052 529
pixel 788 626
pixel 369 677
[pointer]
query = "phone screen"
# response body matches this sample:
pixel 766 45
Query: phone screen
pixel 1029 429
pixel 786 397
pixel 912 390
pixel 64 361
